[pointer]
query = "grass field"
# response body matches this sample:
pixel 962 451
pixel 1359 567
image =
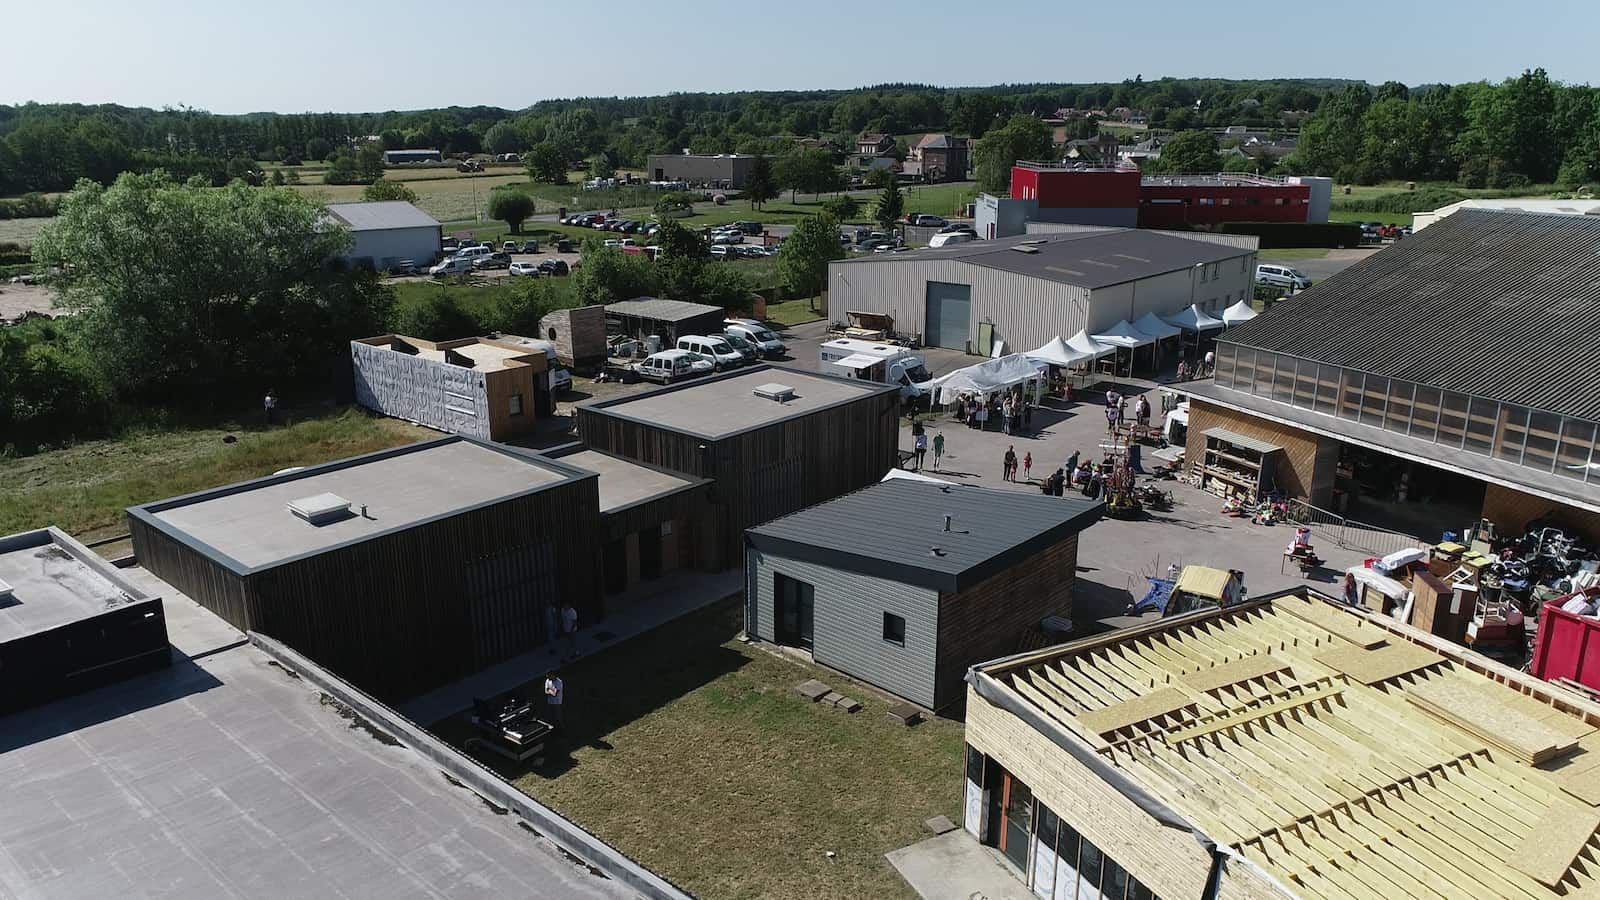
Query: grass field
pixel 83 489
pixel 792 312
pixel 21 231
pixel 1289 253
pixel 690 752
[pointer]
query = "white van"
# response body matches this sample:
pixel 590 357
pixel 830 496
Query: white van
pixel 670 365
pixel 455 265
pixel 947 238
pixel 871 361
pixel 472 253
pixel 717 349
pixel 1282 276
pixel 756 333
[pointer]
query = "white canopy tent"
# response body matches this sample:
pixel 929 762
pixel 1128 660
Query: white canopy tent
pixel 1083 343
pixel 1153 326
pixel 1237 313
pixel 1194 319
pixel 1123 334
pixel 991 377
pixel 1057 353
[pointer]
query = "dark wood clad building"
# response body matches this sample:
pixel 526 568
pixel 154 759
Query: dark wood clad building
pixel 877 585
pixel 773 440
pixel 399 570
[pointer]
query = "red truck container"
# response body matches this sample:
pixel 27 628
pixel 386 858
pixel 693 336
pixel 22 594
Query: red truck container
pixel 1568 646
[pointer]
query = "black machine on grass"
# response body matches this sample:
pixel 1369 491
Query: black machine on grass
pixel 509 726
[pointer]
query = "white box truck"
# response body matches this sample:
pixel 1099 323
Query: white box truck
pixel 881 363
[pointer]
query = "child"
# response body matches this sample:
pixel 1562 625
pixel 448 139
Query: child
pixel 1027 466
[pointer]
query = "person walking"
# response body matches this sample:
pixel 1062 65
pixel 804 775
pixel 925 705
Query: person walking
pixel 972 413
pixel 1008 465
pixel 1141 411
pixel 1211 363
pixel 1027 466
pixel 1072 461
pixel 1113 418
pixel 1007 410
pixel 920 445
pixel 269 404
pixel 1058 484
pixel 938 450
pixel 555 699
pixel 569 628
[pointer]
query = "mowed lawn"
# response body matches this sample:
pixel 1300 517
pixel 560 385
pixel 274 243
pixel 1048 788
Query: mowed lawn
pixel 691 753
pixel 84 489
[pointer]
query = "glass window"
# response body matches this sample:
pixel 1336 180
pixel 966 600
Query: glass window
pixel 1425 413
pixel 1244 373
pixel 1511 432
pixel 894 629
pixel 1305 384
pixel 1283 381
pixel 1327 389
pixel 1374 399
pixel 1452 418
pixel 1225 357
pixel 1091 863
pixel 1544 430
pixel 1577 439
pixel 1350 395
pixel 1481 419
pixel 1265 362
pixel 1137 891
pixel 1397 417
pixel 1114 884
pixel 516 404
pixel 974 765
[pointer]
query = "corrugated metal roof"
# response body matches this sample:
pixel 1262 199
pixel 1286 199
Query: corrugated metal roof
pixel 1503 305
pixel 1090 259
pixel 662 310
pixel 895 529
pixel 1239 440
pixel 381 215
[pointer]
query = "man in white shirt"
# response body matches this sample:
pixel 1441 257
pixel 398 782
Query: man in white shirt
pixel 554 697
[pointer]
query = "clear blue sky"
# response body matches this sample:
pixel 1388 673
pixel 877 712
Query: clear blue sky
pixel 365 55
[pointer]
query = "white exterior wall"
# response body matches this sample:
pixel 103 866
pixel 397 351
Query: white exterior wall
pixel 384 247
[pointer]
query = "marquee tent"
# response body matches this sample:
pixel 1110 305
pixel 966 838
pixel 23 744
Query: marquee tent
pixel 1194 319
pixel 1153 326
pixel 1057 353
pixel 1237 313
pixel 1082 343
pixel 1124 334
pixel 990 377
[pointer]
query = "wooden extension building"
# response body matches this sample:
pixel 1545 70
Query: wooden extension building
pixel 772 441
pixel 905 584
pixel 478 387
pixel 1290 747
pixel 400 570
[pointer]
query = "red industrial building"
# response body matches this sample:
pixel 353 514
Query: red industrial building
pixel 1123 197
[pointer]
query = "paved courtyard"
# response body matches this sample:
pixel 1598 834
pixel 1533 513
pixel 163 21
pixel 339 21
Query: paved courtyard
pixel 1114 556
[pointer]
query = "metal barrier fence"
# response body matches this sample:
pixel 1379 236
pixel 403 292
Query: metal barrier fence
pixel 1350 533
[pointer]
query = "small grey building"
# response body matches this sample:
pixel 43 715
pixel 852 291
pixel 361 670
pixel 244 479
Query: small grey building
pixel 669 320
pixel 905 584
pixel 725 170
pixel 386 232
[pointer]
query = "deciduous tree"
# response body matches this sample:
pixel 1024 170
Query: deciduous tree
pixel 382 189
pixel 1188 153
pixel 803 259
pixel 1022 137
pixel 891 205
pixel 510 206
pixel 547 163
pixel 759 186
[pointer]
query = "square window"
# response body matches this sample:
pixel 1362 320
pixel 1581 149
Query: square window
pixel 894 629
pixel 516 404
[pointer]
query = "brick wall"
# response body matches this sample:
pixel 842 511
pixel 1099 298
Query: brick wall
pixel 986 621
pixel 1168 861
pixel 1306 466
pixel 1511 511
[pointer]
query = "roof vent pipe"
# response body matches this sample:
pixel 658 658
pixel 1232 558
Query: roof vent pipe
pixel 947 522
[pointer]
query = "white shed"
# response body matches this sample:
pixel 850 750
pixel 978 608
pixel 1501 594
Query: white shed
pixel 386 232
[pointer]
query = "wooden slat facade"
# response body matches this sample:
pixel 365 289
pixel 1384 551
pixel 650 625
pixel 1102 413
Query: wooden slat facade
pixel 768 471
pixel 405 612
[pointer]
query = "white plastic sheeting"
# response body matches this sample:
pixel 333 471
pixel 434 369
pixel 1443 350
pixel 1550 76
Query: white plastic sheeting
pixel 1239 312
pixel 1123 334
pixel 1194 319
pixel 989 377
pixel 903 475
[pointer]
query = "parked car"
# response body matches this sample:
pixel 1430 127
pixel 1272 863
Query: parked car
pixel 727 237
pixel 449 244
pixel 871 244
pixel 715 348
pixel 947 238
pixel 756 333
pixel 719 252
pixel 563 246
pixel 529 269
pixel 554 267
pixel 472 252
pixel 1282 276
pixel 612 244
pixel 493 261
pixel 530 246
pixel 455 265
pixel 651 229
pixel 404 267
pixel 954 227
pixel 508 247
pixel 671 365
pixel 925 220
pixel 745 349
pixel 749 227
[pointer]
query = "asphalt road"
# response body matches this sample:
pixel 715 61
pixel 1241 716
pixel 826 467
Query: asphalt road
pixel 1318 269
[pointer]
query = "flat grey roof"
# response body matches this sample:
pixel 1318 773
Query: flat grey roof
pixel 624 483
pixel 1088 259
pixel 721 406
pixel 662 310
pixel 381 215
pixel 895 529
pixel 224 776
pixel 251 525
pixel 56 581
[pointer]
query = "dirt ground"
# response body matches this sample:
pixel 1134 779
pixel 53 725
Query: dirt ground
pixel 16 299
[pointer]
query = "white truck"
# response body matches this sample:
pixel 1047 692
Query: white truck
pixel 881 363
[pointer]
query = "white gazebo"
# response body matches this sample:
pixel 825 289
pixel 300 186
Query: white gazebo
pixel 991 377
pixel 1238 313
pixel 1194 320
pixel 1124 336
pixel 1055 352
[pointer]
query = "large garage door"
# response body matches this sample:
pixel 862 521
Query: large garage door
pixel 949 310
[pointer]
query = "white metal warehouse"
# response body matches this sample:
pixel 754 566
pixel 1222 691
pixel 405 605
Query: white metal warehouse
pixel 1026 290
pixel 386 232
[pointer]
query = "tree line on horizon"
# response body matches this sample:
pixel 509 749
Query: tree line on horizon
pixel 1527 129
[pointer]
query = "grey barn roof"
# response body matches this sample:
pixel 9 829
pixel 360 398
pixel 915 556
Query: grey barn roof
pixel 381 215
pixel 890 529
pixel 661 310
pixel 1089 259
pixel 1503 305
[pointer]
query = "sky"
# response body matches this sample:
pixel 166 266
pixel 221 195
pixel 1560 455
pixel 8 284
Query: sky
pixel 367 56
